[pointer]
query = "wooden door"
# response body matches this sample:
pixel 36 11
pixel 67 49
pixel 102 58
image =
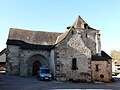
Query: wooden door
pixel 36 66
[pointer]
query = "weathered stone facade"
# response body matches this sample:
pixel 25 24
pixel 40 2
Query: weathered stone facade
pixel 73 47
pixel 70 55
pixel 20 61
pixel 101 70
pixel 101 67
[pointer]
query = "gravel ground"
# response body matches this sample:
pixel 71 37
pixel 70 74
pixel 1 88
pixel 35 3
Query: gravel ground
pixel 8 82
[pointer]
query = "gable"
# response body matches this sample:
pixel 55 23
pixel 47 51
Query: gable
pixel 72 39
pixel 62 36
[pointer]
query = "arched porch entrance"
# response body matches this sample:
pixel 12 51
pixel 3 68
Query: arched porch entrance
pixel 34 62
pixel 35 67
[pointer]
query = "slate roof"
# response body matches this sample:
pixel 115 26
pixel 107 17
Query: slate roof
pixel 104 56
pixel 43 38
pixel 62 36
pixel 78 23
pixel 33 37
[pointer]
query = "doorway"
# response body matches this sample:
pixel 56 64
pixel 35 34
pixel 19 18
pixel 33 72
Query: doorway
pixel 35 68
pixel 34 62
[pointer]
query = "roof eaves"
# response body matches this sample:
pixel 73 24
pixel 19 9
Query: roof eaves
pixel 104 56
pixel 24 45
pixel 3 51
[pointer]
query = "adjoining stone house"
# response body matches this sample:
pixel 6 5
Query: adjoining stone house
pixel 101 67
pixel 73 55
pixel 3 59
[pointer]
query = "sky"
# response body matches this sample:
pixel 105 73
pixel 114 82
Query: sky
pixel 56 15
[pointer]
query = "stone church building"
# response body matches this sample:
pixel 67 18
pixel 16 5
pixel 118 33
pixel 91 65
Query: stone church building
pixel 73 55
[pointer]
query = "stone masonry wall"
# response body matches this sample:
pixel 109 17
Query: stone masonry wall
pixel 103 73
pixel 92 41
pixel 12 60
pixel 28 56
pixel 19 61
pixel 72 47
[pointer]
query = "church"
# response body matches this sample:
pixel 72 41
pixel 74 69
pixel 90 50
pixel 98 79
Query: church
pixel 74 55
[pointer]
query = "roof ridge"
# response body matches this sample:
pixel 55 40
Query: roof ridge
pixel 79 22
pixel 20 30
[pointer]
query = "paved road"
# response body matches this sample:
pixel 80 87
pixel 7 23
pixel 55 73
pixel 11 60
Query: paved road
pixel 31 83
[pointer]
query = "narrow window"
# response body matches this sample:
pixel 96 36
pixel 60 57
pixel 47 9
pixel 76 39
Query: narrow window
pixel 86 35
pixel 74 64
pixel 72 32
pixel 97 67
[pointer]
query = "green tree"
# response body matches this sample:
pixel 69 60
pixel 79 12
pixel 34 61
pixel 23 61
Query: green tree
pixel 115 55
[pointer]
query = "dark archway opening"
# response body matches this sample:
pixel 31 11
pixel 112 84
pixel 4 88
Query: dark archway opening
pixel 35 68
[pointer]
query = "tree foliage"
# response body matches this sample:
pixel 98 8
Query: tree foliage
pixel 115 55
